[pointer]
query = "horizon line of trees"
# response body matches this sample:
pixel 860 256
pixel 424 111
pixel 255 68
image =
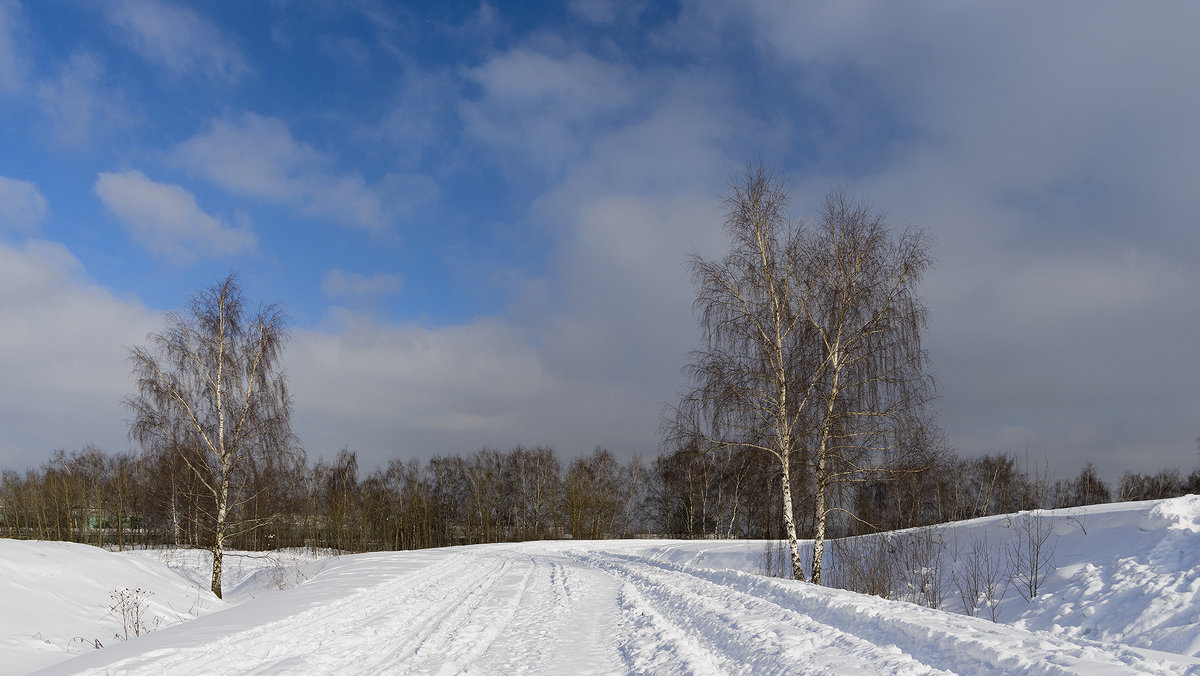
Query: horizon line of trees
pixel 527 493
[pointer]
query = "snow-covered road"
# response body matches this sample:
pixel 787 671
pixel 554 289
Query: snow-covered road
pixel 612 607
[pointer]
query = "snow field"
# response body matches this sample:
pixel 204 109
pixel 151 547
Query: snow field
pixel 1122 597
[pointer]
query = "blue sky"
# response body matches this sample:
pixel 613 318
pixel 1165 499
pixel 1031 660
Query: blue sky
pixel 478 215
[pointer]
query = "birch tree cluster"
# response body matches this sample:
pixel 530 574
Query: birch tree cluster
pixel 812 349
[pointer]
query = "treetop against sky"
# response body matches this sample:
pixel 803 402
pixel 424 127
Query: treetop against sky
pixel 478 215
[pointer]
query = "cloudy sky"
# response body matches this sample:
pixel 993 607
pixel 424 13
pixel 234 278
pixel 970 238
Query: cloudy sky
pixel 477 215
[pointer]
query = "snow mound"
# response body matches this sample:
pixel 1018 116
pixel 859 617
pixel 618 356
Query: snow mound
pixel 1125 573
pixel 1182 513
pixel 58 600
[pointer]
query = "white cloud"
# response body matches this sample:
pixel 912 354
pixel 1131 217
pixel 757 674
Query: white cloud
pixel 11 66
pixel 77 106
pixel 258 157
pixel 166 219
pixel 61 353
pixel 178 38
pixel 22 206
pixel 542 108
pixel 411 391
pixel 255 156
pixel 421 118
pixel 637 189
pixel 353 287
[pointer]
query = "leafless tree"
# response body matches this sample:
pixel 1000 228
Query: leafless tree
pixel 813 350
pixel 341 496
pixel 859 299
pixel 538 483
pixel 1087 489
pixel 1167 483
pixel 214 377
pixel 746 389
pixel 592 497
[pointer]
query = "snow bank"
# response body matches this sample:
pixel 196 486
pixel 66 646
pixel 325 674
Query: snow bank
pixel 244 575
pixel 1130 575
pixel 57 600
pixel 1126 572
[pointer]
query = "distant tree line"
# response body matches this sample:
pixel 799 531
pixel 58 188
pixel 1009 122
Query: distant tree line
pixel 489 496
pixel 723 495
pixel 526 493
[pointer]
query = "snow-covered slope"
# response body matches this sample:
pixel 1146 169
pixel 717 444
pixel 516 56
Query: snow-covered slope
pixel 55 600
pixel 1121 598
pixel 60 599
pixel 1125 572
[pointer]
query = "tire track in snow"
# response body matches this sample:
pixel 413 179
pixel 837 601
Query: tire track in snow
pixel 561 623
pixel 463 629
pixel 748 623
pixel 512 618
pixel 575 608
pixel 489 609
pixel 340 636
pixel 527 636
pixel 682 624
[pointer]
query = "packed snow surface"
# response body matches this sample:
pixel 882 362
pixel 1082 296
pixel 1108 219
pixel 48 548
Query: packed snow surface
pixel 1123 597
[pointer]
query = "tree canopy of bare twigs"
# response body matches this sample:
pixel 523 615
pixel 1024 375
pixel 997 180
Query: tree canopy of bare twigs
pixel 213 396
pixel 812 345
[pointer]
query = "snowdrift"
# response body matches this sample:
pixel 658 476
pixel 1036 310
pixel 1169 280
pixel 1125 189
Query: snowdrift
pixel 1124 572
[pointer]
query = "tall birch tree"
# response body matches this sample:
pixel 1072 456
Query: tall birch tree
pixel 859 303
pixel 211 387
pixel 748 387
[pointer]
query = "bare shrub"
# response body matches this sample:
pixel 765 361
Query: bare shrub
pixel 981 578
pixel 920 567
pixel 133 607
pixel 284 577
pixel 1030 552
pixel 864 564
pixel 774 560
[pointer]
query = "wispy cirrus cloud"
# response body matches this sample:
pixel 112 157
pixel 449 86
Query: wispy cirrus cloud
pixel 178 38
pixel 22 205
pixel 356 288
pixel 78 103
pixel 11 66
pixel 165 218
pixel 527 94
